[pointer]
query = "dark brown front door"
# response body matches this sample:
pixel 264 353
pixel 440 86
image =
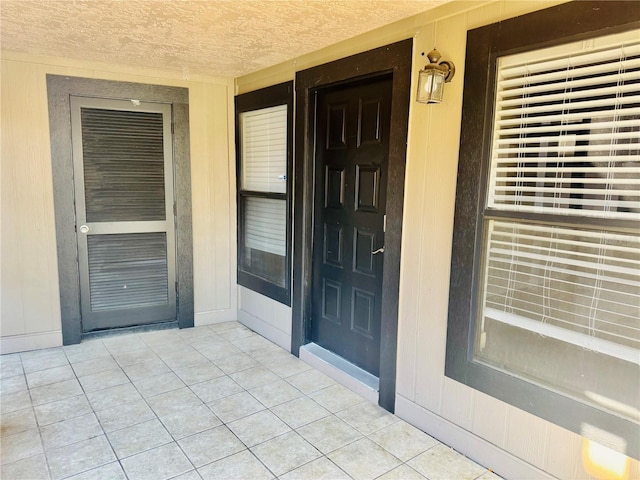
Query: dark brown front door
pixel 352 151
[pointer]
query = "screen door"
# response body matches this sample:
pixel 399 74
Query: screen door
pixel 123 180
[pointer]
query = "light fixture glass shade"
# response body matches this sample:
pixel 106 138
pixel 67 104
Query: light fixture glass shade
pixel 431 85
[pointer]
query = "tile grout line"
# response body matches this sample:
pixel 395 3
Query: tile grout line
pixel 93 411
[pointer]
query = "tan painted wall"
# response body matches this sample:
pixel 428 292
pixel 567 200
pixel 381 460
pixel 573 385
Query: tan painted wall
pixel 269 318
pixel 434 135
pixel 30 308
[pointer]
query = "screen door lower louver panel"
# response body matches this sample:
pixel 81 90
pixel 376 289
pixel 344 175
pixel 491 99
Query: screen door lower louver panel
pixel 128 270
pixel 123 165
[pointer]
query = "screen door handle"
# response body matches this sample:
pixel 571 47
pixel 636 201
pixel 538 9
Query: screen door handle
pixel 84 229
pixel 380 250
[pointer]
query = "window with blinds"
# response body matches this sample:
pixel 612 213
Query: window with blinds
pixel 264 144
pixel 266 225
pixel 263 135
pixel 566 131
pixel 264 149
pixel 560 286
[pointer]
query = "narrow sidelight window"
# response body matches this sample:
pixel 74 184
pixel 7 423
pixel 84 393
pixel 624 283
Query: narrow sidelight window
pixel 263 121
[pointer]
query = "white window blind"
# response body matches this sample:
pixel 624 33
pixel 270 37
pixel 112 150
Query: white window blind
pixel 578 286
pixel 264 149
pixel 567 130
pixel 266 225
pixel 566 142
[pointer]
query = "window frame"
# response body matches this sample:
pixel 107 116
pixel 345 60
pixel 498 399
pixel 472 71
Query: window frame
pixel 565 23
pixel 281 94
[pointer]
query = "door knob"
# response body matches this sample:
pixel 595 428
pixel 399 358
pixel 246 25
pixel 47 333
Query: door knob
pixel 84 229
pixel 380 250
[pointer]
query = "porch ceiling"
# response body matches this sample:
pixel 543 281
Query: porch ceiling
pixel 228 38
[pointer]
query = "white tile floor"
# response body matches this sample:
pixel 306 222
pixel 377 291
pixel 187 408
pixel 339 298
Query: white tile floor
pixel 215 402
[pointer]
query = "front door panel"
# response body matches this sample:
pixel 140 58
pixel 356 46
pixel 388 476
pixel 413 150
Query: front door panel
pixel 351 175
pixel 122 154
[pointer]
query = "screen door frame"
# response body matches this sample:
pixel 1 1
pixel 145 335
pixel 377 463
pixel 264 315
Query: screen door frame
pixel 131 315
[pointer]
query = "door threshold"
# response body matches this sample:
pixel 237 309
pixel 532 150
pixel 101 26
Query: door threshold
pixel 112 332
pixel 342 371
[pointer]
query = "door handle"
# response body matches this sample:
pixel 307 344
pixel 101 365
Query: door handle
pixel 84 229
pixel 380 250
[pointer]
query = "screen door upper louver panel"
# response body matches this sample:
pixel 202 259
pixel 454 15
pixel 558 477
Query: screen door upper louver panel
pixel 123 165
pixel 123 179
pixel 128 270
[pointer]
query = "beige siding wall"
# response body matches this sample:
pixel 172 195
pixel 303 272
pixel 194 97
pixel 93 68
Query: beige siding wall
pixel 30 306
pixel 28 257
pixel 470 421
pixel 269 318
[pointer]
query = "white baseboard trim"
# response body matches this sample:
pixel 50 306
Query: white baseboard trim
pixel 214 316
pixel 477 449
pixel 30 341
pixel 341 371
pixel 268 331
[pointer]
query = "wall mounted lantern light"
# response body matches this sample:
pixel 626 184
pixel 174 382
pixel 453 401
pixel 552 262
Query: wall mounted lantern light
pixel 433 77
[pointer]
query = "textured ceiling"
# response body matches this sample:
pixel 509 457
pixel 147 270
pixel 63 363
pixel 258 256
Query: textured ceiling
pixel 214 37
